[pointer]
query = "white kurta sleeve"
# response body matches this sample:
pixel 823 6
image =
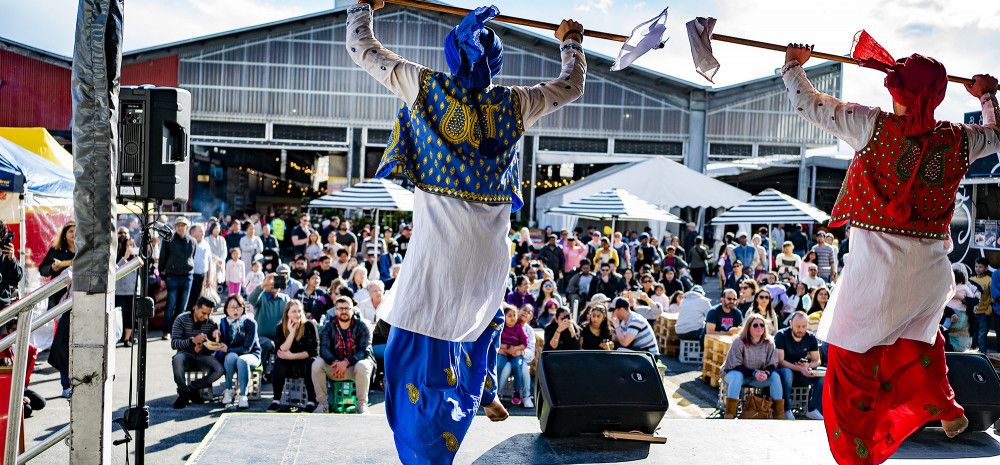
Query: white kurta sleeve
pixel 400 76
pixel 546 97
pixel 985 140
pixel 851 122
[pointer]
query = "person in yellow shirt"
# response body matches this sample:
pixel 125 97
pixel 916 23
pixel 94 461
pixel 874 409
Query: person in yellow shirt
pixel 605 254
pixel 985 307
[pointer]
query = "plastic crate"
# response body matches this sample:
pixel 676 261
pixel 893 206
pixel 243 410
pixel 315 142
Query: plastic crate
pixel 294 393
pixel 342 396
pixel 690 352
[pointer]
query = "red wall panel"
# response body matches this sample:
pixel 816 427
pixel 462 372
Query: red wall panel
pixel 161 72
pixel 34 93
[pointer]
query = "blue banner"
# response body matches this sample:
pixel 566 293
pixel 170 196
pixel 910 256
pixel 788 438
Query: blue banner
pixel 985 167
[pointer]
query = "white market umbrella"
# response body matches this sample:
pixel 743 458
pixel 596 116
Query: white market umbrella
pixel 373 194
pixel 615 204
pixel 772 207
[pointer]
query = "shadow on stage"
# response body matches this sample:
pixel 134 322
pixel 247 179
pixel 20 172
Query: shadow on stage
pixel 931 443
pixel 539 450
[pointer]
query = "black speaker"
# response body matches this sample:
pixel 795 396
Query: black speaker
pixel 977 388
pixel 590 391
pixel 153 148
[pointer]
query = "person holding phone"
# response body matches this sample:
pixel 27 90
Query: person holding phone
pixel 57 260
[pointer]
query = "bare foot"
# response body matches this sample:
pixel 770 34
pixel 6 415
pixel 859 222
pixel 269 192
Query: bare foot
pixel 955 427
pixel 495 411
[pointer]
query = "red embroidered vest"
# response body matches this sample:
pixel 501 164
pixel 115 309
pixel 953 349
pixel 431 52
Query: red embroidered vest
pixel 904 185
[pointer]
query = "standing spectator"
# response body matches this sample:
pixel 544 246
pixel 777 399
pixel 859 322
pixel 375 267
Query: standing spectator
pixel 765 241
pixel 778 234
pixel 826 257
pixel 632 330
pixel 268 306
pixel 984 309
pixel 752 360
pixel 403 239
pixel 578 287
pixel 562 333
pixel 268 239
pixel 596 333
pixel 608 282
pixel 573 255
pixel 745 253
pixel 345 354
pixel 798 355
pixel 669 280
pixel 201 272
pixel 314 247
pixel 958 334
pixel 250 246
pixel 552 255
pixel 347 239
pixel 327 227
pixel 799 239
pixel 844 248
pixel 58 259
pixel 328 271
pixel 995 295
pixel 300 235
pixel 190 331
pixel 387 260
pixel 699 256
pixel 220 253
pixel 240 352
pixel 368 308
pixel 724 318
pixel 298 348
pixel 690 233
pixel 510 356
pixel 629 279
pixel 125 288
pixel 646 254
pixel 672 260
pixel 235 272
pixel 787 263
pixel 177 266
pixel 808 259
pixel 278 228
pixel 621 248
pixel 763 263
pixel 606 254
pixel 233 234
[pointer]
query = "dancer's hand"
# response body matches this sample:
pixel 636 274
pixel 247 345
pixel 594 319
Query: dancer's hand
pixel 984 84
pixel 798 52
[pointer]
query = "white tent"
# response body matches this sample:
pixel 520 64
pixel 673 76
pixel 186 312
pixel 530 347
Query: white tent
pixel 614 205
pixel 373 194
pixel 659 181
pixel 772 207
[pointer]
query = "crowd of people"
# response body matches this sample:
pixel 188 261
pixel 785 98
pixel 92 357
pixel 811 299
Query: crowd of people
pixel 302 302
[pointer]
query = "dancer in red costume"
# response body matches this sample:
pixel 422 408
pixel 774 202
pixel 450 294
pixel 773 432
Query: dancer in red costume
pixel 887 375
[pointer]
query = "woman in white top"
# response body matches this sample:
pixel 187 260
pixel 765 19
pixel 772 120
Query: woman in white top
pixel 314 248
pixel 250 246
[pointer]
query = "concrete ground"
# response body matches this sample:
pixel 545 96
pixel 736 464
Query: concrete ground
pixel 174 434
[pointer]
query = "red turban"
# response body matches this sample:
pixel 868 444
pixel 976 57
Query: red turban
pixel 917 83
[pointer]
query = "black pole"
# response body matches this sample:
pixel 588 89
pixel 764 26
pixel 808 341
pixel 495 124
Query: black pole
pixel 146 310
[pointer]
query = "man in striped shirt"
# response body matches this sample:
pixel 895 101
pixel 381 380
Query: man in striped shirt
pixel 632 331
pixel 826 257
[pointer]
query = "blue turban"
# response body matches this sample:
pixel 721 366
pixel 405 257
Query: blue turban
pixel 473 51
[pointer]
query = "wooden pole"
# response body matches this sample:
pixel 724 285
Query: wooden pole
pixel 825 56
pixel 502 18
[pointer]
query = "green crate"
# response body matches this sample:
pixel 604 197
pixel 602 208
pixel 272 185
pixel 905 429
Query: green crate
pixel 342 396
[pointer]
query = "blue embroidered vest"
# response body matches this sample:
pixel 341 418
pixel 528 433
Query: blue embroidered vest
pixel 436 144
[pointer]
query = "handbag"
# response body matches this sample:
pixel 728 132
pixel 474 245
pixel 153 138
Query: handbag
pixel 756 407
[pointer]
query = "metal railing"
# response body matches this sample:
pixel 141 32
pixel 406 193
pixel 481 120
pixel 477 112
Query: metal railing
pixel 21 310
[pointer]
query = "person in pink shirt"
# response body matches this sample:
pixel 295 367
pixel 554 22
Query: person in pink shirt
pixel 574 251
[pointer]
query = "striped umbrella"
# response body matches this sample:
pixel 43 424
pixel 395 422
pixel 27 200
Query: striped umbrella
pixel 373 194
pixel 615 204
pixel 772 207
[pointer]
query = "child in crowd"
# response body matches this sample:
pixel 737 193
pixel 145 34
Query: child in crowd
pixel 235 272
pixel 254 278
pixel 510 357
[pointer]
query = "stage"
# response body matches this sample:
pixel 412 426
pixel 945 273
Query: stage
pixel 277 438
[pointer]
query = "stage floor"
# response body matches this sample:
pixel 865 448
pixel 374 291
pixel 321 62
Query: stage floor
pixel 273 438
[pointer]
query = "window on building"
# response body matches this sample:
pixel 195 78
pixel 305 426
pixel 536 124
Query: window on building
pixel 649 147
pixel 221 129
pixel 378 136
pixel 570 144
pixel 767 150
pixel 729 151
pixel 319 133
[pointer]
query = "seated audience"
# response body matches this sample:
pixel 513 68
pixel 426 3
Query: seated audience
pixel 724 318
pixel 510 357
pixel 761 305
pixel 820 297
pixel 596 332
pixel 545 313
pixel 268 307
pixel 345 354
pixel 747 290
pixel 752 361
pixel 631 330
pixel 524 319
pixel 520 295
pixel 369 307
pixel 299 346
pixel 799 301
pixel 548 292
pixel 561 333
pixel 691 316
pixel 189 333
pixel 798 355
pixel 314 299
pixel 240 352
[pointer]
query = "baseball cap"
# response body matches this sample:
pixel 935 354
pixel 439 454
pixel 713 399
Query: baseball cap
pixel 741 234
pixel 644 236
pixel 283 268
pixel 599 298
pixel 697 288
pixel 621 303
pixel 182 220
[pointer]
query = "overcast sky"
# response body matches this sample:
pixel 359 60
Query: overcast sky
pixel 960 33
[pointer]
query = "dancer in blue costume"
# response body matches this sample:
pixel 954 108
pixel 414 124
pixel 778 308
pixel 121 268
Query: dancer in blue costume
pixel 456 139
